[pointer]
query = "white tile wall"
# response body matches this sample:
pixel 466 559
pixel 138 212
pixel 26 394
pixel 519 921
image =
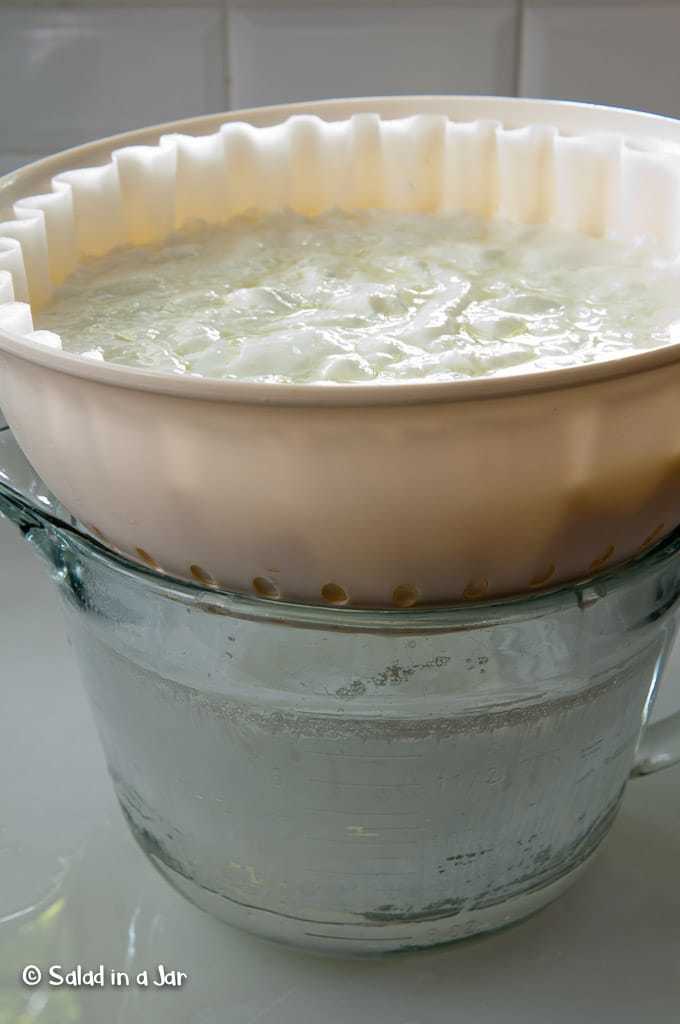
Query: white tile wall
pixel 70 75
pixel 624 54
pixel 88 68
pixel 289 52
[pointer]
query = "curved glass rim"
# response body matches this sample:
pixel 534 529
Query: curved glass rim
pixel 418 619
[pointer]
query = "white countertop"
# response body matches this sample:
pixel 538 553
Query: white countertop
pixel 74 888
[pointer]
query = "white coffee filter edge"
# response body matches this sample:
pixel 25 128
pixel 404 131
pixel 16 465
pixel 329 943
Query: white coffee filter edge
pixel 597 184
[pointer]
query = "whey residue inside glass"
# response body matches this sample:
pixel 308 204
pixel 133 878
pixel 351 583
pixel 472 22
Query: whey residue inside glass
pixel 371 296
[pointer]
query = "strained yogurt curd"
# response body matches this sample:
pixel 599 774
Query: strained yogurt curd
pixel 372 296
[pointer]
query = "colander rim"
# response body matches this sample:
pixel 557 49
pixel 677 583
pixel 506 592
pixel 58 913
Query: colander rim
pixel 421 392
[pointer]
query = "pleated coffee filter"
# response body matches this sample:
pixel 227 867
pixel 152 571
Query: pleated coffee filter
pixel 371 494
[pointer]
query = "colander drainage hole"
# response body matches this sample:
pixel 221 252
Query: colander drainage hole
pixel 542 578
pixel 598 563
pixel 651 537
pixel 202 576
pixel 404 596
pixel 334 593
pixel 476 589
pixel 147 558
pixel 265 587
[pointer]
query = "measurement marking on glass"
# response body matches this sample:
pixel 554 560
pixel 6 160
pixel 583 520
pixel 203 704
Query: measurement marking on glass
pixel 364 811
pixel 371 785
pixel 355 938
pixel 367 757
pixel 373 858
pixel 361 843
pixel 361 874
pixel 399 828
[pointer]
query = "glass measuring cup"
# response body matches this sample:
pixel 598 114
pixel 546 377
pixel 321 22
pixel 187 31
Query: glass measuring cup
pixel 360 782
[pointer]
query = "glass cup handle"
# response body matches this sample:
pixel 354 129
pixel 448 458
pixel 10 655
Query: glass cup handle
pixel 659 746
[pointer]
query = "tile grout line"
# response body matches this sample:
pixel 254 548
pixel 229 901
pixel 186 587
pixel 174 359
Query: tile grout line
pixel 226 54
pixel 519 47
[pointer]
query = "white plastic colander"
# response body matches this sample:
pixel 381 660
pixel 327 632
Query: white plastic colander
pixel 369 495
